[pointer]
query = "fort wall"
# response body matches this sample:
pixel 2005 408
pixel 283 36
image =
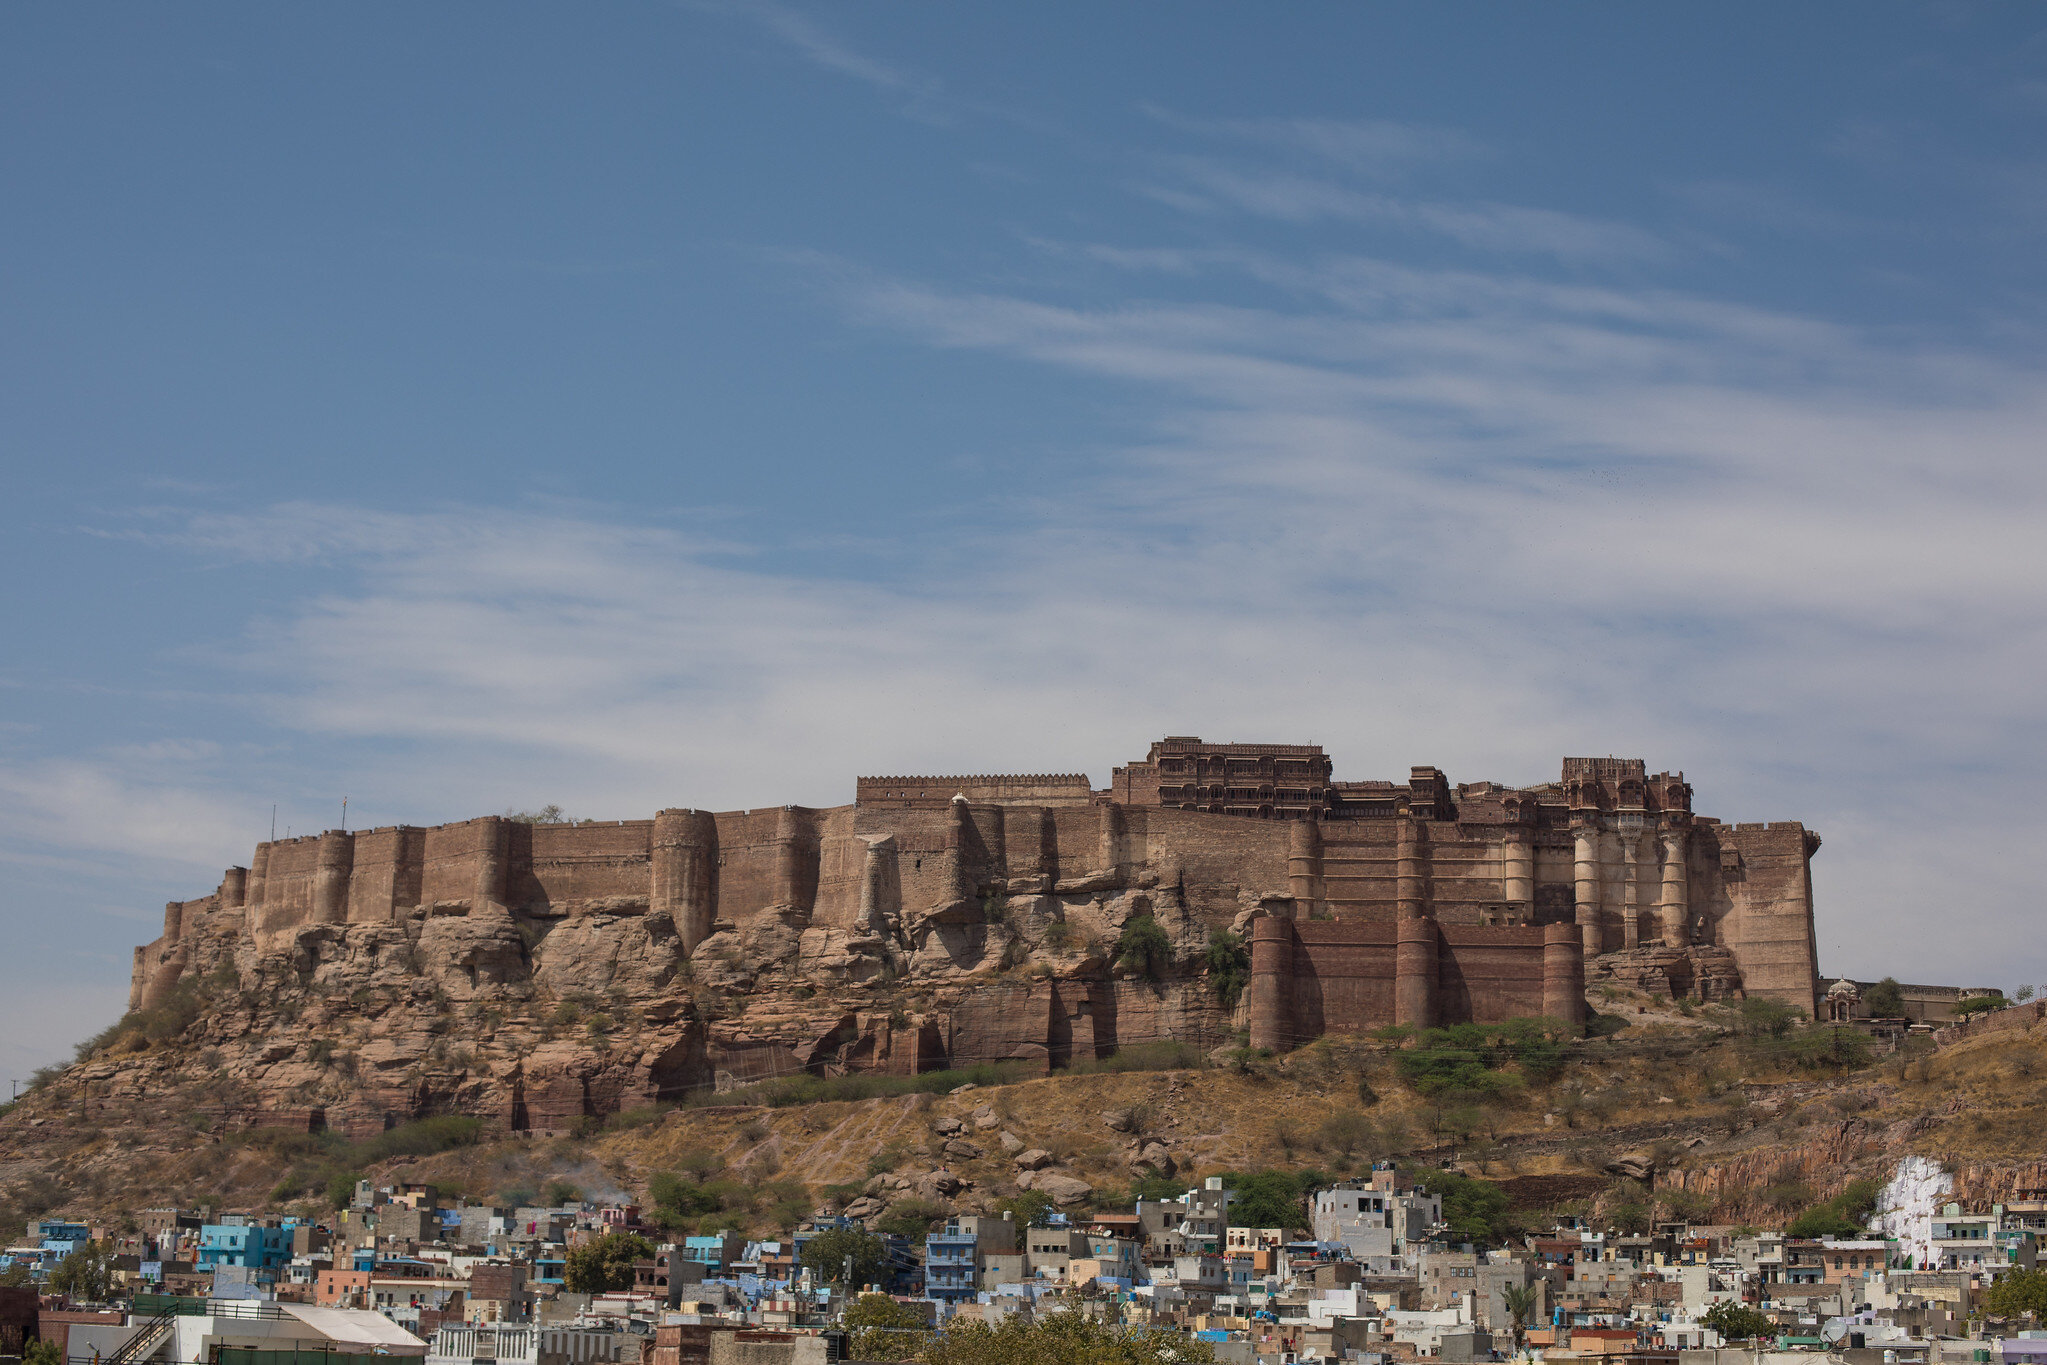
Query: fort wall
pixel 1027 789
pixel 1311 977
pixel 1409 903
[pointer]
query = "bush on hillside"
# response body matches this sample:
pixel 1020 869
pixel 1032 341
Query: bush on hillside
pixel 1143 948
pixel 1229 966
pixel 1845 1215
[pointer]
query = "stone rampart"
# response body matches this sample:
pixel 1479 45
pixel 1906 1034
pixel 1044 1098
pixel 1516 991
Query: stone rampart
pixel 999 906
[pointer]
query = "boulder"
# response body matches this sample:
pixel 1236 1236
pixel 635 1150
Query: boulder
pixel 1011 1143
pixel 1120 1120
pixel 1633 1167
pixel 934 1186
pixel 1064 1189
pixel 948 1126
pixel 959 1149
pixel 1037 1158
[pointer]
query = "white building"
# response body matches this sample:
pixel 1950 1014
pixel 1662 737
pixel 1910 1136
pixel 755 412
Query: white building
pixel 229 1325
pixel 510 1345
pixel 1374 1222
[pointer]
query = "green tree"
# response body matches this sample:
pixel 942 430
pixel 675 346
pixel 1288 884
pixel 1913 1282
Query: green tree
pixel 910 1218
pixel 605 1265
pixel 549 814
pixel 1156 1188
pixel 678 1201
pixel 2017 1293
pixel 341 1188
pixel 1845 1215
pixel 1885 1000
pixel 1270 1199
pixel 1030 1209
pixel 1476 1210
pixel 1980 1004
pixel 1738 1322
pixel 85 1274
pixel 1229 966
pixel 1762 1017
pixel 1521 1300
pixel 1630 1215
pixel 1143 948
pixel 825 1256
pixel 17 1276
pixel 884 1329
pixel 42 1352
pixel 1063 1339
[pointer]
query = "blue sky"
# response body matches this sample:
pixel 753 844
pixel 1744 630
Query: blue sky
pixel 475 406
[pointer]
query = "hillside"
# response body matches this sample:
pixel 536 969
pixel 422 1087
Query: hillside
pixel 1676 1113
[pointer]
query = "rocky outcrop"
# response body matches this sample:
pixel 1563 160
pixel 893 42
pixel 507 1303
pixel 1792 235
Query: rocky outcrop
pixel 547 1015
pixel 1699 971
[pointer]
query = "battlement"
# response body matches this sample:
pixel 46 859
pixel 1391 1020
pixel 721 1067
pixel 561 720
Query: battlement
pixel 1192 744
pixel 1606 769
pixel 1034 789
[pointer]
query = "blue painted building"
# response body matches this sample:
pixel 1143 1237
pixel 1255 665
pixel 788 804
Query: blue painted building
pixel 716 1253
pixel 243 1244
pixel 953 1255
pixel 58 1238
pixel 951 1265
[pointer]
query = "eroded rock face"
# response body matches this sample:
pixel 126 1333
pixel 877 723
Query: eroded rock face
pixel 544 1022
pixel 1701 971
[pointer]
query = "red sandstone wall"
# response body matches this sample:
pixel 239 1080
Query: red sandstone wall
pixel 386 878
pixel 1466 866
pixel 1033 789
pixel 746 862
pixel 1077 840
pixel 1358 868
pixel 1344 971
pixel 1486 974
pixel 1767 920
pixel 288 893
pixel 550 866
pixel 923 870
pixel 451 858
pixel 1051 1023
pixel 1343 977
pixel 1219 855
pixel 842 858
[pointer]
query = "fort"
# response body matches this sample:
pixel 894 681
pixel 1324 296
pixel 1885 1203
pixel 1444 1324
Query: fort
pixel 996 901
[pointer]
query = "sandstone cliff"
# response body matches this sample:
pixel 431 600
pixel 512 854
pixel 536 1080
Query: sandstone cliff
pixel 555 1009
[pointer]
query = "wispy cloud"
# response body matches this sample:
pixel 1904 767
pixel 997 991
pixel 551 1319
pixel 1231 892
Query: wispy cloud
pixel 1375 146
pixel 923 97
pixel 824 49
pixel 1480 225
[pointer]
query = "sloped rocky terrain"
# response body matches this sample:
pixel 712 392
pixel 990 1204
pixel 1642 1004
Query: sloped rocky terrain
pixel 1673 1114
